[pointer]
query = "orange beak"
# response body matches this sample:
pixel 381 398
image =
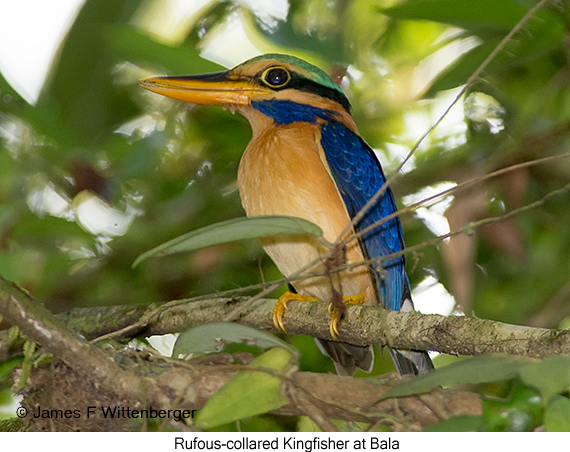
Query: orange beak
pixel 217 88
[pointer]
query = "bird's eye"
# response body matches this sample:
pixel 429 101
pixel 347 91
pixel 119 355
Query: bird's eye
pixel 276 77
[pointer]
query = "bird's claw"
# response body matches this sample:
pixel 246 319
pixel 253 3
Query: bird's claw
pixel 278 311
pixel 336 316
pixel 281 307
pixel 335 319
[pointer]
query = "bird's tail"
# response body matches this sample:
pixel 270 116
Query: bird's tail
pixel 411 362
pixel 347 357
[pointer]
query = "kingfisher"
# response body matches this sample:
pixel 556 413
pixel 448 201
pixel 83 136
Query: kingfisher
pixel 306 159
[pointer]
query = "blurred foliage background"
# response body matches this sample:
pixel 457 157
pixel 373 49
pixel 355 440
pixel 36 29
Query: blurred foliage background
pixel 97 171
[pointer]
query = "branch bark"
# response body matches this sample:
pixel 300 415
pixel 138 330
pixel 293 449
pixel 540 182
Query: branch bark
pixel 361 326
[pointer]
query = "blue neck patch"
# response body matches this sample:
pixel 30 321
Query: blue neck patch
pixel 285 112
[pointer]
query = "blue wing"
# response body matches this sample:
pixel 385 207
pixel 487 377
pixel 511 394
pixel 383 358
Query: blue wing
pixel 358 176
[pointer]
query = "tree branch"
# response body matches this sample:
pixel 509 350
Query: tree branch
pixel 361 326
pixel 85 372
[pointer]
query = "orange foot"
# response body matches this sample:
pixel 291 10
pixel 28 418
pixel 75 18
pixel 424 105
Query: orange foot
pixel 281 307
pixel 336 315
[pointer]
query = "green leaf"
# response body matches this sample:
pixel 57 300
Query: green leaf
pixel 461 69
pixel 80 103
pixel 6 367
pixel 557 415
pixel 487 14
pixel 516 55
pixel 232 230
pixel 247 394
pixel 480 369
pixel 520 411
pixel 209 337
pixel 550 376
pixel 133 45
pixel 461 423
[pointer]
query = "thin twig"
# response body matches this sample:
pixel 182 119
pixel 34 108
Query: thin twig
pixel 467 229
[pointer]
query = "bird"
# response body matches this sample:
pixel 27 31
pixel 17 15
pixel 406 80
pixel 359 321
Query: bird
pixel 306 159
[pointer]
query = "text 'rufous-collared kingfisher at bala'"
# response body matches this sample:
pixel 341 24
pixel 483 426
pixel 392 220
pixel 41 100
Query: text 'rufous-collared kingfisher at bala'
pixel 306 159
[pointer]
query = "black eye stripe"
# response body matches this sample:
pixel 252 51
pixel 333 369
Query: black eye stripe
pixel 300 83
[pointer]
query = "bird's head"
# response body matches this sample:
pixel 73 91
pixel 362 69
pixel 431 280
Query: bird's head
pixel 282 87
